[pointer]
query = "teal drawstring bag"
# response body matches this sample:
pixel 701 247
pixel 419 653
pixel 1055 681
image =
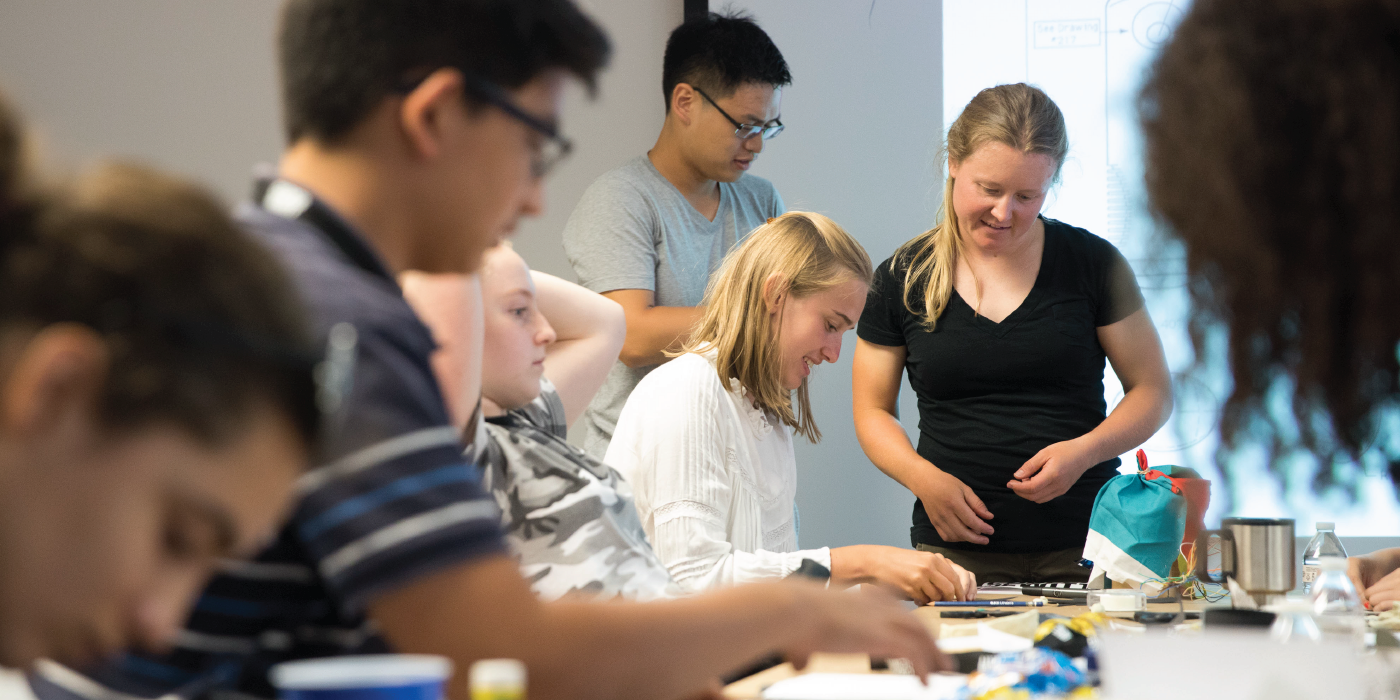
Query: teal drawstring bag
pixel 1136 528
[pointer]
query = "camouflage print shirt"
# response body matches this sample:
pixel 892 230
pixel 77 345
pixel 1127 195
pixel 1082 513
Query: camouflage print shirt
pixel 569 517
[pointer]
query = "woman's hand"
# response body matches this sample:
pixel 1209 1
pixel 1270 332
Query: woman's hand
pixel 1052 471
pixel 922 577
pixel 955 511
pixel 1383 594
pixel 1376 578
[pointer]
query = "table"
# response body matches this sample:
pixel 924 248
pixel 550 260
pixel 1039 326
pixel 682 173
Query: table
pixel 751 688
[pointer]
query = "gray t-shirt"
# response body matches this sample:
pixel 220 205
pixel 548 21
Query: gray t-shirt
pixel 634 230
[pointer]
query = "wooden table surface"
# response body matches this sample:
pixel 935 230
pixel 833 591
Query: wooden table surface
pixel 751 688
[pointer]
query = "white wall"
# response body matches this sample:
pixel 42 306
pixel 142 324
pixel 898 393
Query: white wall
pixel 188 86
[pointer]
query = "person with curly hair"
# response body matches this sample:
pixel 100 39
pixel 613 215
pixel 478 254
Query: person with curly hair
pixel 1274 156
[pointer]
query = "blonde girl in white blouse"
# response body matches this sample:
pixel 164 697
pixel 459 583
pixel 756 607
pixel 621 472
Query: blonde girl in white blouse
pixel 706 439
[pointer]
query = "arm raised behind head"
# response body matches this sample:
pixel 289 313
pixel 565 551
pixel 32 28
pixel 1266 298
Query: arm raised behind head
pixel 590 331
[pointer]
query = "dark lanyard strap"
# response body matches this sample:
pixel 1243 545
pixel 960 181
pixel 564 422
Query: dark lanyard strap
pixel 323 219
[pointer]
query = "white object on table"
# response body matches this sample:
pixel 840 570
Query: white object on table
pixel 1235 665
pixel 1117 600
pixel 987 639
pixel 865 686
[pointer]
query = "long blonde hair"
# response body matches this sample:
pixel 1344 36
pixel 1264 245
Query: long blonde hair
pixel 805 253
pixel 1018 115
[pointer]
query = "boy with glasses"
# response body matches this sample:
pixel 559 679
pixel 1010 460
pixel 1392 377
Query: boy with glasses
pixel 419 131
pixel 649 233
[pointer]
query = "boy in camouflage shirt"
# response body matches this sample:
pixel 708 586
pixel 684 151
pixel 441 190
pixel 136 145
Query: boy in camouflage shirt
pixel 548 345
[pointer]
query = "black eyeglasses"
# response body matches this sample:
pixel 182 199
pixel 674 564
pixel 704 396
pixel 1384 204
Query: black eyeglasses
pixel 745 131
pixel 555 147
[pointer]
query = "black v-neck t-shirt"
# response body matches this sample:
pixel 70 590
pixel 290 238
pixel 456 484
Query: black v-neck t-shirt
pixel 991 395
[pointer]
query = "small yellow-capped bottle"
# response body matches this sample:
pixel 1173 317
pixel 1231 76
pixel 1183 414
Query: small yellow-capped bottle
pixel 498 679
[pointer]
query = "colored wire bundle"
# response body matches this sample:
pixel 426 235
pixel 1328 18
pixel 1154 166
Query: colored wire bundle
pixel 1187 584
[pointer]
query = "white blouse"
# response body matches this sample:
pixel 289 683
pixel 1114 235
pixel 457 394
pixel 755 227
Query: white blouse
pixel 714 477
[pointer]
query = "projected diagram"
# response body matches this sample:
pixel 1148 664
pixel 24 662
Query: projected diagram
pixel 1090 57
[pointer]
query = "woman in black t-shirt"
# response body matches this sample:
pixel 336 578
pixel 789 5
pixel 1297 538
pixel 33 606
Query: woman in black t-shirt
pixel 1003 320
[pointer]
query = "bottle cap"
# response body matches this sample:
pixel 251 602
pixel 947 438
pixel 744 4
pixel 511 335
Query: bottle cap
pixel 498 673
pixel 1326 526
pixel 1332 563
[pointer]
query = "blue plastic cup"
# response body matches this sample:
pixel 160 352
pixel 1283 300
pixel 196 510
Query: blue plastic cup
pixel 371 677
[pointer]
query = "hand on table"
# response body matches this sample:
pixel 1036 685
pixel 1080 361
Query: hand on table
pixel 1376 586
pixel 955 511
pixel 922 577
pixel 1051 472
pixel 869 621
pixel 1363 574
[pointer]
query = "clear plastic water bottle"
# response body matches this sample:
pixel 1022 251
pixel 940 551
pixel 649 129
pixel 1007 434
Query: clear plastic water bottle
pixel 1335 603
pixel 1323 544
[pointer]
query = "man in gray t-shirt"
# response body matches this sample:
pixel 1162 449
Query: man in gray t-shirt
pixel 649 233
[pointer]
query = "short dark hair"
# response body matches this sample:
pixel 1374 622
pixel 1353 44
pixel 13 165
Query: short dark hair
pixel 202 324
pixel 1273 155
pixel 340 58
pixel 720 52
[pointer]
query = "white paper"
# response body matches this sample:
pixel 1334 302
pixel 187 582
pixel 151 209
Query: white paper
pixel 865 686
pixel 987 639
pixel 1021 624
